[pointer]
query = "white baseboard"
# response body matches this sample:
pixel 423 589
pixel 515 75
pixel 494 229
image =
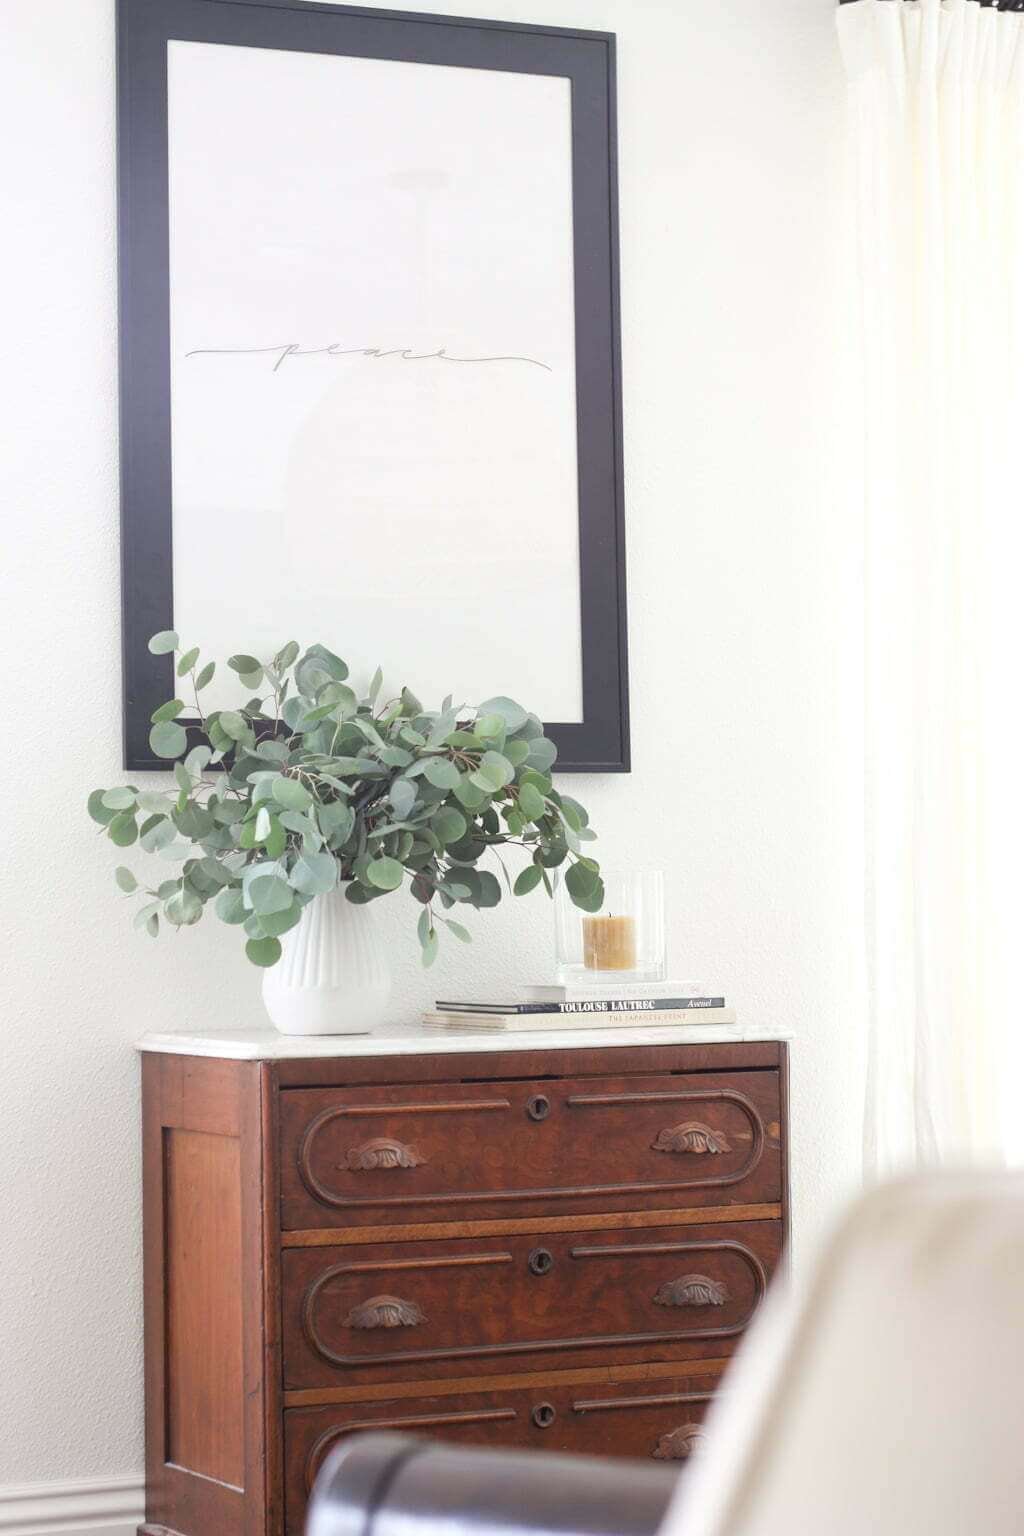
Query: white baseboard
pixel 112 1506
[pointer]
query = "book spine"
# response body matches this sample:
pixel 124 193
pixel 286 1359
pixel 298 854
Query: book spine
pixel 596 1005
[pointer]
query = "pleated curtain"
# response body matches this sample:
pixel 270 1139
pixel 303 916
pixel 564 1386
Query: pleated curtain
pixel 936 90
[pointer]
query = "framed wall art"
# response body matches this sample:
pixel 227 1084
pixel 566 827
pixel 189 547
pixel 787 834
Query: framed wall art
pixel 370 376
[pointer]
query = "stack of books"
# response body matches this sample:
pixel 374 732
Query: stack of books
pixel 592 1007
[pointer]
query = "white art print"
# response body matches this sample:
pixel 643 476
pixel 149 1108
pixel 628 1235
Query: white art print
pixel 373 392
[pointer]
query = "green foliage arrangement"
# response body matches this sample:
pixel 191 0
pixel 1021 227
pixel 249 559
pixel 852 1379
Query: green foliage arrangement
pixel 307 785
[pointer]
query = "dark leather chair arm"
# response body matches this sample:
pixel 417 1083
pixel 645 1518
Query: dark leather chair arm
pixel 395 1485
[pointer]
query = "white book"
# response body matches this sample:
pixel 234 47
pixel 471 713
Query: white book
pixel 609 990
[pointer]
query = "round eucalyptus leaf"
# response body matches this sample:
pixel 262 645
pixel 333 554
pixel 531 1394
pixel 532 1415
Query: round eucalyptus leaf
pixel 264 952
pixel 216 872
pixel 234 725
pixel 531 802
pixel 183 908
pixel 276 923
pixel 403 797
pixel 442 773
pixel 269 893
pixel 188 661
pixel 427 934
pixel 156 835
pixel 154 803
pixel 286 656
pixel 581 880
pixel 448 825
pixel 574 813
pixel 194 822
pixel 493 771
pixel 125 879
pixel 470 795
pixel 123 831
pixel 386 874
pixel 527 880
pixel 513 714
pixel 169 711
pixel 329 662
pixel 592 901
pixel 314 874
pixel 542 753
pixel 119 799
pixel 198 760
pixel 230 907
pixel 97 810
pixel 145 915
pixel 291 794
pixel 276 840
pixel 272 751
pixel 243 664
pixel 342 697
pixel 488 892
pixel 293 710
pixel 163 643
pixel 168 739
pixel 205 677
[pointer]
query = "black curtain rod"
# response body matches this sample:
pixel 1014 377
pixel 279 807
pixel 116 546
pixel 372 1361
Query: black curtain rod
pixel 986 5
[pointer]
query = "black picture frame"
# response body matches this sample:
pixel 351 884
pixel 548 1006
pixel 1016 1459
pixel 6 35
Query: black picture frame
pixel 600 743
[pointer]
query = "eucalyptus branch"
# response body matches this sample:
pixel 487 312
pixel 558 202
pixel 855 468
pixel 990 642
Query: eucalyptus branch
pixel 292 813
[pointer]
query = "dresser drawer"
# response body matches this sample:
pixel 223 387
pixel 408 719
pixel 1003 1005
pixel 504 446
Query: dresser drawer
pixel 444 1151
pixel 659 1419
pixel 474 1306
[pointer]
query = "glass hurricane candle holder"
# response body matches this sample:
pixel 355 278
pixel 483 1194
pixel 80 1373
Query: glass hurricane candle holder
pixel 622 942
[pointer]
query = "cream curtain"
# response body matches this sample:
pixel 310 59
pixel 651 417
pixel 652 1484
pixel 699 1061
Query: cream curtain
pixel 936 91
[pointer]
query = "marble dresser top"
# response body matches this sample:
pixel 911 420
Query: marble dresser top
pixel 265 1044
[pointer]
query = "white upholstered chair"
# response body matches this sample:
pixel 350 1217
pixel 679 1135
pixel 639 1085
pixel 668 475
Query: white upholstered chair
pixel 890 1400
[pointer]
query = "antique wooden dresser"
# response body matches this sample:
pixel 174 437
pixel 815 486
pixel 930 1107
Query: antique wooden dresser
pixel 495 1240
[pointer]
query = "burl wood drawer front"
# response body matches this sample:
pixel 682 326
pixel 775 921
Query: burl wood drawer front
pixel 659 1420
pixel 385 1155
pixel 475 1305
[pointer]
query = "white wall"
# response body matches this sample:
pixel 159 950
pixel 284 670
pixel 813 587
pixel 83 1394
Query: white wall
pixel 742 576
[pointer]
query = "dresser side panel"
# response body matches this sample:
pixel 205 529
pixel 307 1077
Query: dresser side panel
pixel 203 1349
pixel 203 1235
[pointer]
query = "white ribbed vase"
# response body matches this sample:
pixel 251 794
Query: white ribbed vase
pixel 332 978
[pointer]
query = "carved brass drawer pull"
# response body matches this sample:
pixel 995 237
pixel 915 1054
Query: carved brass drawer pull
pixel 385 1312
pixel 382 1152
pixel 691 1137
pixel 541 1262
pixel 692 1291
pixel 544 1415
pixel 679 1443
pixel 538 1106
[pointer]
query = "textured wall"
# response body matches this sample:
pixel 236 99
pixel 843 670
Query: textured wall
pixel 742 564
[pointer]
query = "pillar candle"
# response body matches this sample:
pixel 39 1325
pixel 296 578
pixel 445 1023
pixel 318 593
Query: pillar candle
pixel 609 943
